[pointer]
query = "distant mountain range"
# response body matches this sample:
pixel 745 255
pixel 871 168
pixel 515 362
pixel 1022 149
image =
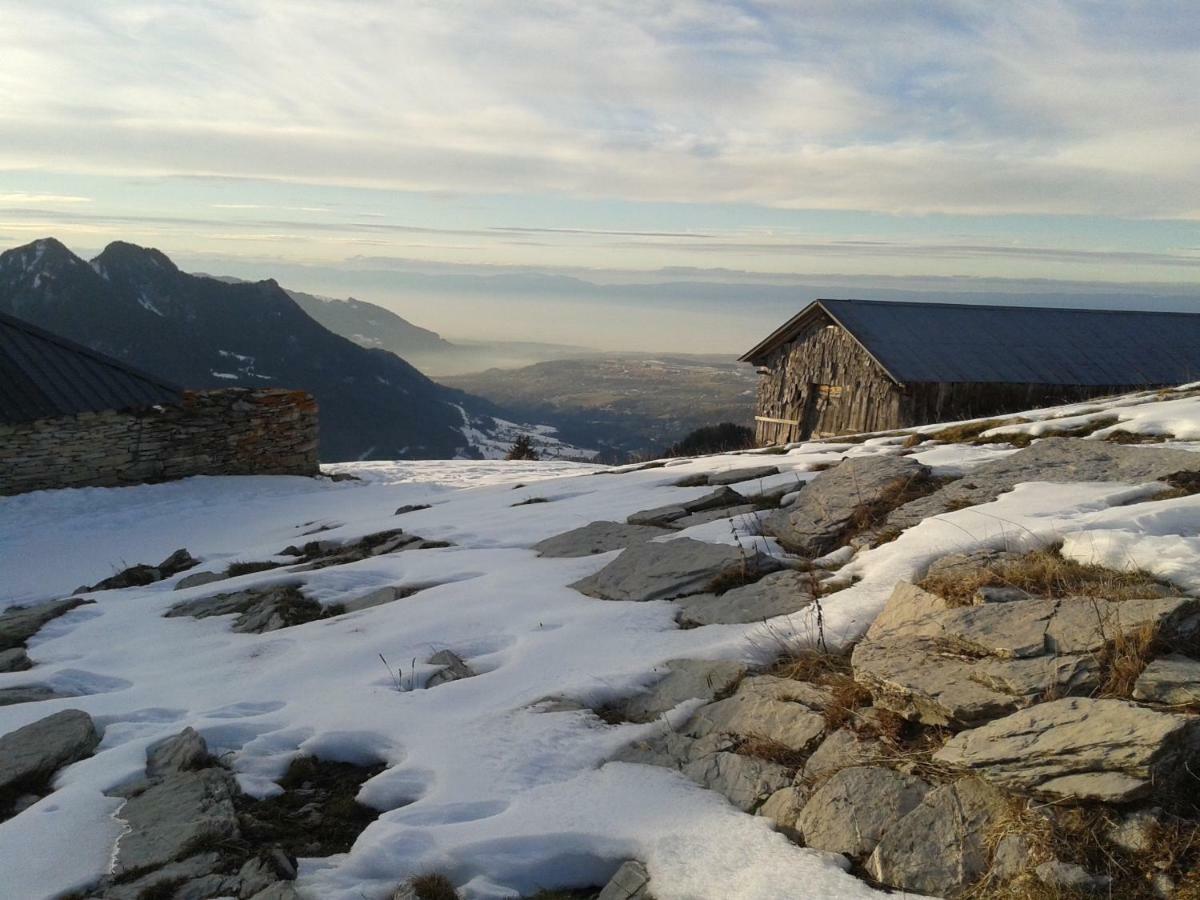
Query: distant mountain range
pixel 134 304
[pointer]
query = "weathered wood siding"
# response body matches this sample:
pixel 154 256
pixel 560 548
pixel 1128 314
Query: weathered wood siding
pixel 822 382
pixel 926 403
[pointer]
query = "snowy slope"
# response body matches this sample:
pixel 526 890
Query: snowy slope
pixel 480 784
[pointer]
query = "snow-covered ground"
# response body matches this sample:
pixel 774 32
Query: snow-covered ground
pixel 482 784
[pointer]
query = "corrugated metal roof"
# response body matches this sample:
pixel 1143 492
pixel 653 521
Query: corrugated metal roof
pixel 945 342
pixel 44 376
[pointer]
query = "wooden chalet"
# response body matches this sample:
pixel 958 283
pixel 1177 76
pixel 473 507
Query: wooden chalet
pixel 845 366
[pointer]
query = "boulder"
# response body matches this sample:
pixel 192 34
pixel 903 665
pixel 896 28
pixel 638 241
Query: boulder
pixel 685 679
pixel 663 571
pixel 841 749
pixel 1173 680
pixel 777 594
pixel 15 660
pixel 596 537
pixel 453 668
pixel 31 755
pixel 1011 857
pixel 658 517
pixel 1081 749
pixel 734 476
pixel 142 574
pixel 784 807
pixel 261 871
pixel 30 693
pixel 745 781
pixel 1137 831
pixel 631 882
pixel 174 816
pixel 766 708
pixel 666 516
pixel 814 524
pixel 1071 877
pixel 691 520
pixel 940 846
pixel 1056 460
pixel 856 807
pixel 196 579
pixel 184 752
pixel 280 890
pixel 907 613
pixel 165 879
pixel 259 609
pixel 19 623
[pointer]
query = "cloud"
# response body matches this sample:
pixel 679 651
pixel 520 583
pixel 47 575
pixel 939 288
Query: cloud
pixel 1028 107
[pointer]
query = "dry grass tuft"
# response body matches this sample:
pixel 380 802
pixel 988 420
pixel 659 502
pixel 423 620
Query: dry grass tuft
pixel 1046 573
pixel 832 671
pixel 968 431
pixel 765 748
pixel 433 886
pixel 1182 484
pixel 242 567
pixel 913 440
pixel 872 514
pixel 1124 658
pixel 1121 436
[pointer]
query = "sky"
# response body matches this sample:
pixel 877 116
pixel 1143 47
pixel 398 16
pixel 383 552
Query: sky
pixel 616 142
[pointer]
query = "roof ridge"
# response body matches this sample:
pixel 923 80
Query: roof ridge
pixel 1068 309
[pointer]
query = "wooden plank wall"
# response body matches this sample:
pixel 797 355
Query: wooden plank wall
pixel 827 383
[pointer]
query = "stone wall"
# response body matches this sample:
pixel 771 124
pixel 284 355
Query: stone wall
pixel 222 432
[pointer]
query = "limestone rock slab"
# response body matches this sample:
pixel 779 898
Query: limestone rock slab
pixel 34 752
pixel 777 594
pixel 1173 680
pixel 663 571
pixel 596 537
pixel 856 807
pixel 685 679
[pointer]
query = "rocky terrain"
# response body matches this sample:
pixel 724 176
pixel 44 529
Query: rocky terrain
pixel 956 661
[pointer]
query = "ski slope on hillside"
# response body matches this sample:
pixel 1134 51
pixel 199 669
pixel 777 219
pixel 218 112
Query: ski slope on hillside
pixel 484 781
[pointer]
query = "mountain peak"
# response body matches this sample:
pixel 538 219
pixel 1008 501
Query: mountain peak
pixel 44 253
pixel 123 256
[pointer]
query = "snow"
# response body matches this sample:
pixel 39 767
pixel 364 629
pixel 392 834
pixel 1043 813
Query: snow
pixel 481 782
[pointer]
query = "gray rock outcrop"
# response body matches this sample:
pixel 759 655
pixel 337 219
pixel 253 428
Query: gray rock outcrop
pixel 31 755
pixel 258 609
pixel 453 668
pixel 851 811
pixel 142 574
pixel 777 594
pixel 1172 680
pixel 667 516
pixel 825 510
pixel 685 679
pixel 663 571
pixel 596 537
pixel 19 623
pixel 631 882
pixel 1109 751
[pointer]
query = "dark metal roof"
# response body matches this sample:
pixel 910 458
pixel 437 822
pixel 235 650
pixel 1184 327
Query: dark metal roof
pixel 953 342
pixel 44 376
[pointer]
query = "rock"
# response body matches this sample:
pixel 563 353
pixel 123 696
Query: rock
pixel 745 781
pixel 721 498
pixel 185 752
pixel 197 579
pixel 1136 832
pixel 1071 877
pixel 777 594
pixel 263 870
pixel 999 594
pixel 411 507
pixel 691 520
pixel 377 597
pixel 172 874
pixel 1011 857
pixel 1083 625
pixel 734 476
pixel 659 516
pixel 906 613
pixel 30 693
pixel 841 749
pixel 454 668
pixel 958 564
pixel 142 574
pixel 260 609
pixel 631 882
pixel 15 660
pixel 177 814
pixel 1080 749
pixel 685 679
pixel 784 807
pixel 814 524
pixel 32 754
pixel 699 479
pixel 766 708
pixel 596 537
pixel 280 890
pixel 1173 680
pixel 851 811
pixel 19 623
pixel 1056 460
pixel 663 571
pixel 940 846
pixel 206 887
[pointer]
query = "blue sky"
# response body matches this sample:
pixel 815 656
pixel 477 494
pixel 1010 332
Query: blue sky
pixel 617 140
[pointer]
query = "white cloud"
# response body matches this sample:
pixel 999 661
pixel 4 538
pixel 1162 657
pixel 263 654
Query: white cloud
pixel 1026 107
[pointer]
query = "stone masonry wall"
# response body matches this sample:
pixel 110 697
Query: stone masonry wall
pixel 222 432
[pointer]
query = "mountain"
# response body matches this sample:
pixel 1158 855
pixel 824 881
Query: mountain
pixel 369 325
pixel 626 403
pixel 134 304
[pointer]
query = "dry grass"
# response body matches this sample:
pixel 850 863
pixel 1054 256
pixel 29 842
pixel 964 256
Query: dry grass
pixel 1046 573
pixel 433 886
pixel 1121 436
pixel 1080 835
pixel 968 431
pixel 1182 484
pixel 1124 658
pixel 913 440
pixel 765 748
pixel 872 514
pixel 832 671
pixel 247 568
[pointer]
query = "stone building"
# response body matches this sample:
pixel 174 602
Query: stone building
pixel 71 417
pixel 845 366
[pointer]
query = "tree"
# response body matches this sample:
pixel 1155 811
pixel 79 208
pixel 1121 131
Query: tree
pixel 714 439
pixel 522 448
